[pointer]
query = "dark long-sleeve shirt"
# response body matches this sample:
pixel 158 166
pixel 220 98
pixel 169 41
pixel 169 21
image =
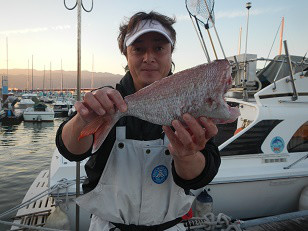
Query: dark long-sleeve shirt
pixel 137 129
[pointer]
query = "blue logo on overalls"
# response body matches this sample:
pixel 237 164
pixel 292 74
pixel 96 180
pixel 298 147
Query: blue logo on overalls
pixel 277 144
pixel 159 174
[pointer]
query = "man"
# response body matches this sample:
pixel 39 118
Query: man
pixel 140 177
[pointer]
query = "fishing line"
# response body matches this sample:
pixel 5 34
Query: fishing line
pixel 272 45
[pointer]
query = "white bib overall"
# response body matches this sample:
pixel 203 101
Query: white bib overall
pixel 136 187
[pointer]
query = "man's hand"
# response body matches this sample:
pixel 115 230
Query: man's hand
pixel 100 102
pixel 187 142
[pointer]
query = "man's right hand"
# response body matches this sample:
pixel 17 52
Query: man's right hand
pixel 100 102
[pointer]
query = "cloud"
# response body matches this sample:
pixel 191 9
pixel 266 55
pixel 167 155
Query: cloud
pixel 35 30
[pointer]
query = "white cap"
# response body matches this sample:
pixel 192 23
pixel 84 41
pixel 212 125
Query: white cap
pixel 146 26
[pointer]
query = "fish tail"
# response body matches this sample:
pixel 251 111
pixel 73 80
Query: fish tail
pixel 100 127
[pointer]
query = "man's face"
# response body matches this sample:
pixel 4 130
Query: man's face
pixel 149 59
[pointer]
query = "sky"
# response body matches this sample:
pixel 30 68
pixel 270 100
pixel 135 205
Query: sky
pixel 46 30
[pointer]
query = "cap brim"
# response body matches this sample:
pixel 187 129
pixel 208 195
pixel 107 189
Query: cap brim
pixel 148 26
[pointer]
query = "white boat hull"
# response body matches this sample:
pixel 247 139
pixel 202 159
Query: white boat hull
pixel 257 198
pixel 35 117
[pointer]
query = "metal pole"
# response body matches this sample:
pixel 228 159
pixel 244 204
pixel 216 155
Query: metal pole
pixel 78 99
pixel 202 39
pixel 245 94
pixel 240 41
pixel 192 21
pixel 32 74
pixel 50 77
pixel 92 78
pixel 7 59
pixel 61 77
pixel 79 5
pixel 28 79
pixel 294 96
pixel 44 80
pixel 281 36
pixel 208 31
pixel 210 16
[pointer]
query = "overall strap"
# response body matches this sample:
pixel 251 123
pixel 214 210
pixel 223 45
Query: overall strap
pixel 121 133
pixel 160 227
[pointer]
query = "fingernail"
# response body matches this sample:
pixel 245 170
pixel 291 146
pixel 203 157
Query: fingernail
pixel 175 123
pixel 186 116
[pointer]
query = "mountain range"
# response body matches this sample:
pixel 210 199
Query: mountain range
pixel 22 79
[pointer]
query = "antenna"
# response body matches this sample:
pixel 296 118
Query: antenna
pixel 245 95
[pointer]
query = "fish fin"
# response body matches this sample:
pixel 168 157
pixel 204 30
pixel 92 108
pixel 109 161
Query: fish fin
pixel 91 128
pixel 100 127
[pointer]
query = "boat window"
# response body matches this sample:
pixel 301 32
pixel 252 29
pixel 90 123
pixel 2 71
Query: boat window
pixel 299 141
pixel 250 142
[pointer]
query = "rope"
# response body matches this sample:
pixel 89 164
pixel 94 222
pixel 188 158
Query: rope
pixel 212 222
pixel 63 183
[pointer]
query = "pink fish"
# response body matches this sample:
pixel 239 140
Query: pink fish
pixel 198 91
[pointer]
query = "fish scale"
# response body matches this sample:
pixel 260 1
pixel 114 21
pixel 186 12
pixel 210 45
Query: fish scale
pixel 198 91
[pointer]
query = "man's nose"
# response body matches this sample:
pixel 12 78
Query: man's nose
pixel 148 56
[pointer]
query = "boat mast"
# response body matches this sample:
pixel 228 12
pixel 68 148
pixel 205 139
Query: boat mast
pixel 92 79
pixel 61 76
pixel 7 59
pixel 281 36
pixel 50 77
pixel 44 80
pixel 32 74
pixel 28 79
pixel 240 42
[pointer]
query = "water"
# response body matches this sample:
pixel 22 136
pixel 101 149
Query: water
pixel 25 150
